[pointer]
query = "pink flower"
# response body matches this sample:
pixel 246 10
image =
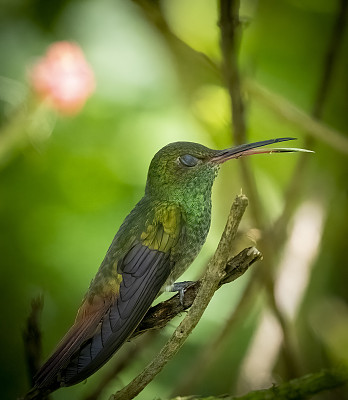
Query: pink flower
pixel 63 78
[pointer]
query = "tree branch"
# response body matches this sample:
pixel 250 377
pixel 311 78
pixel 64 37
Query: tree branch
pixel 284 109
pixel 210 283
pixel 32 338
pixel 332 50
pixel 311 125
pixel 211 350
pixel 299 389
pixel 158 316
pixel 230 38
pixel 230 35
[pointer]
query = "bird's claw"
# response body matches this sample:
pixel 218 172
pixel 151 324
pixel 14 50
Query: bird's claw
pixel 180 287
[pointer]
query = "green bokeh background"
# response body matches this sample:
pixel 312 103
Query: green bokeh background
pixel 66 186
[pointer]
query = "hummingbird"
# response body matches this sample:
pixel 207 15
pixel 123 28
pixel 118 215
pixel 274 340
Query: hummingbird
pixel 155 244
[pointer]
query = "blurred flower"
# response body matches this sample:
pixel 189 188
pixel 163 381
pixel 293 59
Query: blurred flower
pixel 63 78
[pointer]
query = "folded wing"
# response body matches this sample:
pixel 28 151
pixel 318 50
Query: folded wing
pixel 108 322
pixel 144 271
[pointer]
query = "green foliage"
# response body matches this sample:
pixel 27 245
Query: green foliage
pixel 67 182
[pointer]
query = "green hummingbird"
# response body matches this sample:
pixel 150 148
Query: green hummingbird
pixel 156 243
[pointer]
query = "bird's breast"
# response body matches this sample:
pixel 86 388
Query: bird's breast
pixel 197 223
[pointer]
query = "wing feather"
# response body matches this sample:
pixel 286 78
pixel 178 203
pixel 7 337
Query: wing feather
pixel 122 317
pixel 76 335
pixel 101 328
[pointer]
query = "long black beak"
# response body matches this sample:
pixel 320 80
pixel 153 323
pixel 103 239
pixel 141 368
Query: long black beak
pixel 249 149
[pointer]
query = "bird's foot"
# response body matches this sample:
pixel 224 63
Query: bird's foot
pixel 180 287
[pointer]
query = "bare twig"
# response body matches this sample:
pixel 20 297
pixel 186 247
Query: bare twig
pixel 311 125
pixel 211 351
pixel 230 37
pixel 158 316
pixel 32 338
pixel 286 110
pixel 330 58
pixel 229 18
pixel 210 282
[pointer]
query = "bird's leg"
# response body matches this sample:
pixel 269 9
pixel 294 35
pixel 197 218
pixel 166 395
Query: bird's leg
pixel 180 287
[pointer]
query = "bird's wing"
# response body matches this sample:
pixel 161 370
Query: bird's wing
pixel 96 335
pixel 72 340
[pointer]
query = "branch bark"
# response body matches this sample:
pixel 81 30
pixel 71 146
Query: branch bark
pixel 158 316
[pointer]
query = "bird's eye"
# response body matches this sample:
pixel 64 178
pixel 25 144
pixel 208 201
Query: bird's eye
pixel 188 161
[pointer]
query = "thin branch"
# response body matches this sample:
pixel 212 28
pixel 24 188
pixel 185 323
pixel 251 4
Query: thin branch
pixel 210 283
pixel 211 351
pixel 32 338
pixel 230 38
pixel 158 316
pixel 330 58
pixel 229 26
pixel 286 110
pixel 300 389
pixel 312 126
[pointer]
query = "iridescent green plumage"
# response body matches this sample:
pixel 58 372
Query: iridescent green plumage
pixel 157 241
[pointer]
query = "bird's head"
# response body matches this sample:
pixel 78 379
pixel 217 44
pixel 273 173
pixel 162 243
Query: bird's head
pixel 183 168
